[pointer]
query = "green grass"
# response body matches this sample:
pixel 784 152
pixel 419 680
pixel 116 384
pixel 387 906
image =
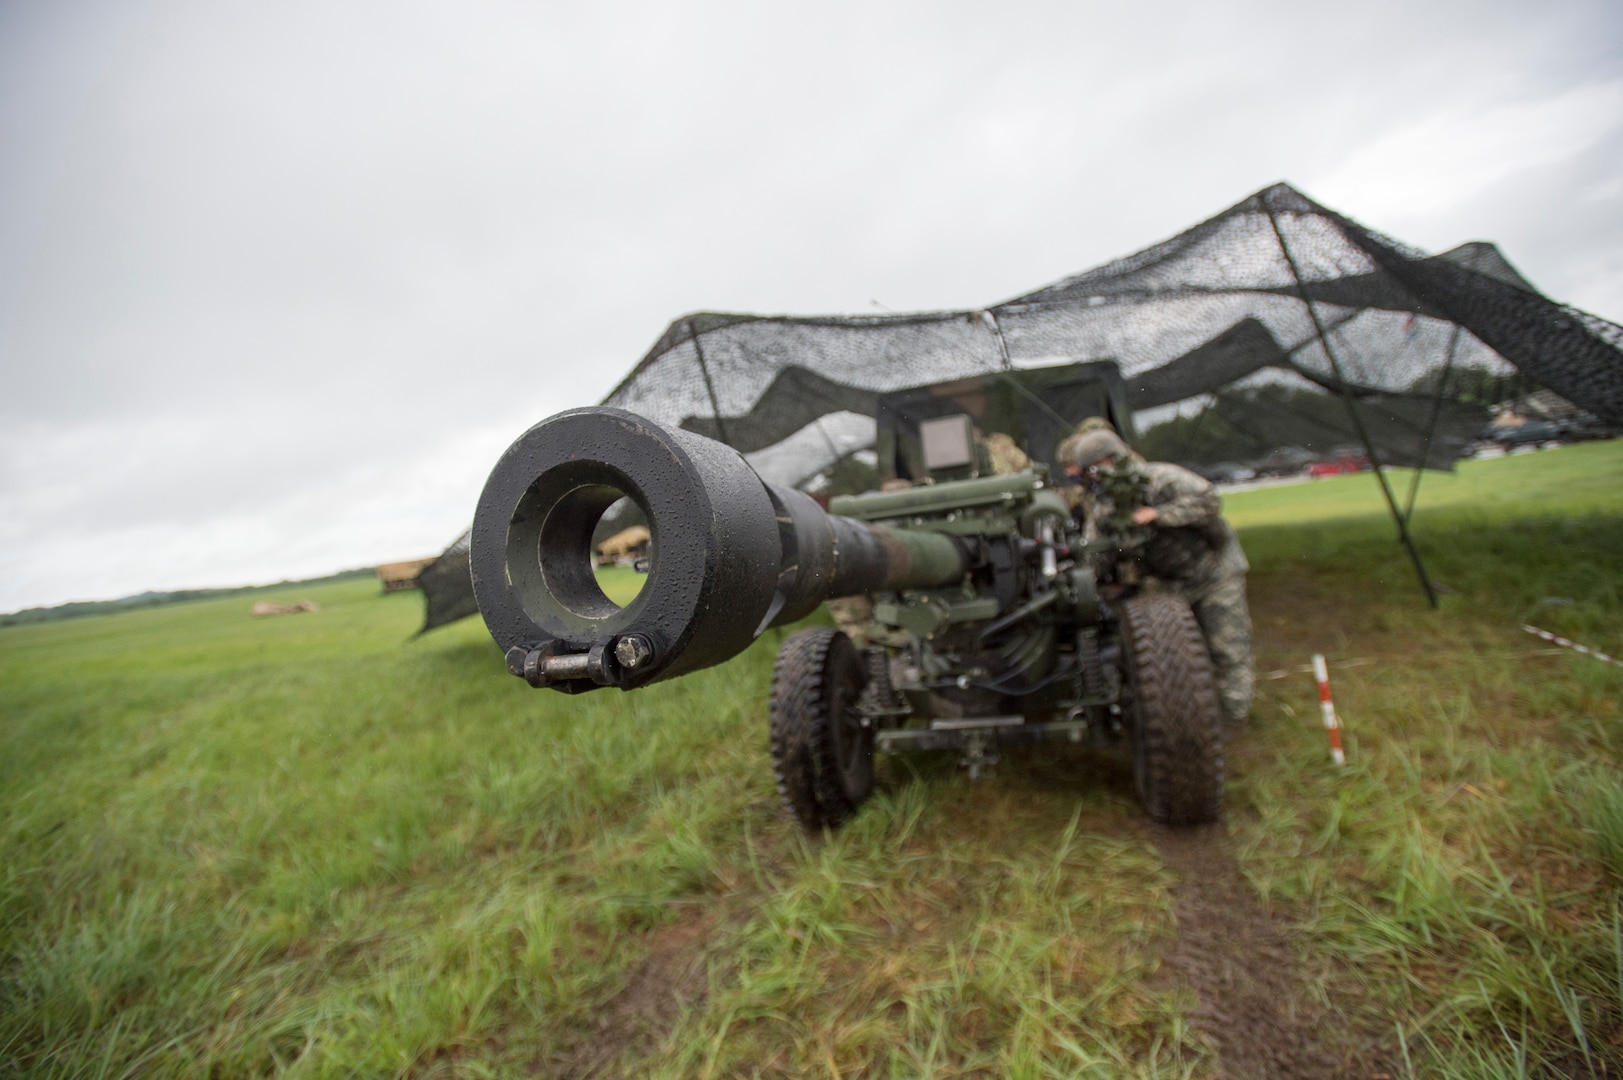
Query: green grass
pixel 316 846
pixel 1465 866
pixel 620 583
pixel 1573 479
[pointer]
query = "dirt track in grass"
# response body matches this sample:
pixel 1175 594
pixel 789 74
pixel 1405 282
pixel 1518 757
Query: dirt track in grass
pixel 671 980
pixel 1253 1003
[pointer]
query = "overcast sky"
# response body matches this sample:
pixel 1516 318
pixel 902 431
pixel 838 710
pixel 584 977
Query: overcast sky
pixel 278 282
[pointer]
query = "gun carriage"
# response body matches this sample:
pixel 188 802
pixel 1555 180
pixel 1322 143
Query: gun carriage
pixel 997 616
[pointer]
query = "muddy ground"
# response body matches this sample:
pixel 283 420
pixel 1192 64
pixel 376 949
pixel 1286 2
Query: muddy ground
pixel 1255 1006
pixel 1264 1017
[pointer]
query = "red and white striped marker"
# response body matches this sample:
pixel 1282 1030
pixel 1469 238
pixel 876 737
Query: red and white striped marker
pixel 1321 672
pixel 1567 643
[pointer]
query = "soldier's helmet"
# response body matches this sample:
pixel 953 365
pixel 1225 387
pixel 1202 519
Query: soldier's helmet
pixel 1093 441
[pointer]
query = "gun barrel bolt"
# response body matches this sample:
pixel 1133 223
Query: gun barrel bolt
pixel 633 650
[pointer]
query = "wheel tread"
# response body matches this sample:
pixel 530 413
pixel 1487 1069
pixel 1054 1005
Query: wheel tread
pixel 1178 727
pixel 804 756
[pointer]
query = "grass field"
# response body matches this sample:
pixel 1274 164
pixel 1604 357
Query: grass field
pixel 317 846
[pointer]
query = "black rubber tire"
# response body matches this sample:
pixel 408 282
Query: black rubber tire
pixel 1175 725
pixel 822 754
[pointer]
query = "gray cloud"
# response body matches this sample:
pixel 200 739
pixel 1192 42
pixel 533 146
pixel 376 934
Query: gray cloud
pixel 278 282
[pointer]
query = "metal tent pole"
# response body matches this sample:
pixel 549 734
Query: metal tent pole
pixel 1352 410
pixel 1188 440
pixel 1007 375
pixel 1217 400
pixel 997 333
pixel 710 388
pixel 833 451
pixel 1431 428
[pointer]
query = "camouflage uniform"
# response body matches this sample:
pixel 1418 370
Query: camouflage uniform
pixel 1194 551
pixel 854 616
pixel 1005 454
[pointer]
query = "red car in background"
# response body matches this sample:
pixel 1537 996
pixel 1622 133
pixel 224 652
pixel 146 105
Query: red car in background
pixel 1340 466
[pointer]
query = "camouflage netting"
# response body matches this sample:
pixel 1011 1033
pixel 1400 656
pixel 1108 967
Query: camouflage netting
pixel 1223 328
pixel 447 589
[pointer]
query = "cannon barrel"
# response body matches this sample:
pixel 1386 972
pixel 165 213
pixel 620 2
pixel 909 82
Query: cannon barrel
pixel 731 554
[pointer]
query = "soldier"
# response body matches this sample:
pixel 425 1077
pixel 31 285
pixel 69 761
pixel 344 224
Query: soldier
pixel 1189 547
pixel 1003 454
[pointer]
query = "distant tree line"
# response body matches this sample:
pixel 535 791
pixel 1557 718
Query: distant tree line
pixel 158 599
pixel 851 476
pixel 1246 425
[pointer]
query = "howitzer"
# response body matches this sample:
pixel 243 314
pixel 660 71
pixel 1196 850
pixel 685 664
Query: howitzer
pixel 994 621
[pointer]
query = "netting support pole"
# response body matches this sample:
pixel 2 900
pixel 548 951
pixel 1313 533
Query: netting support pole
pixel 1431 428
pixel 1186 443
pixel 1352 411
pixel 1007 375
pixel 709 387
pixel 833 451
pixel 997 335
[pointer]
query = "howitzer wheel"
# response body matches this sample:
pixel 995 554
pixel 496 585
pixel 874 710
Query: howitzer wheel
pixel 822 753
pixel 1175 730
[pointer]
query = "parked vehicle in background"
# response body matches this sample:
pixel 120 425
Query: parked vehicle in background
pixel 1228 473
pixel 1530 433
pixel 1538 419
pixel 1340 465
